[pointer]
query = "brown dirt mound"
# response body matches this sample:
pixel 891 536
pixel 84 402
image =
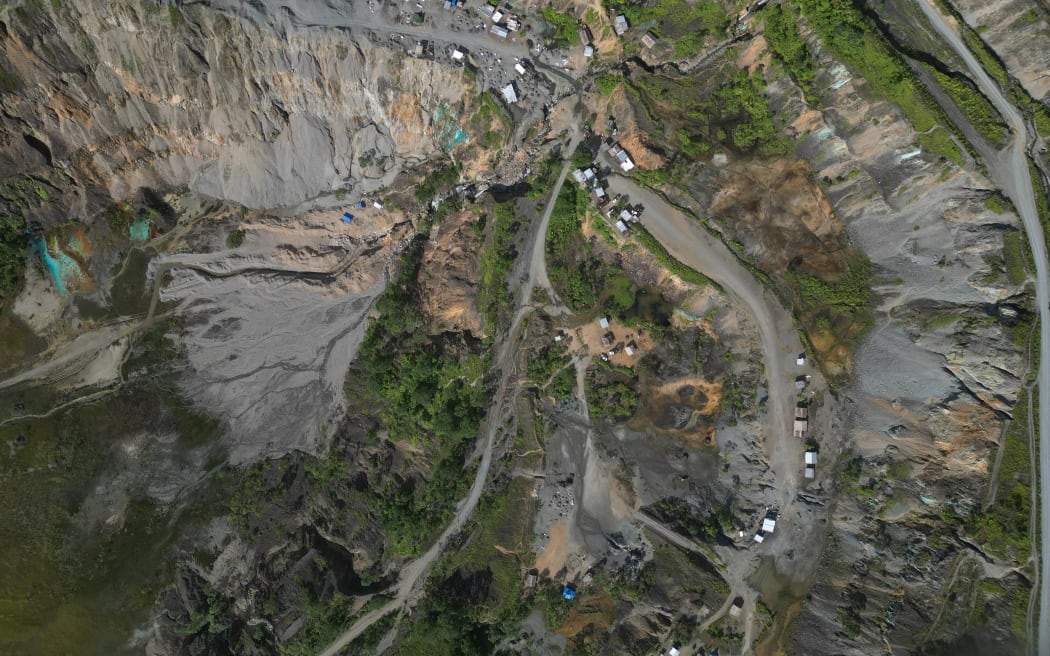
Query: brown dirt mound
pixel 449 291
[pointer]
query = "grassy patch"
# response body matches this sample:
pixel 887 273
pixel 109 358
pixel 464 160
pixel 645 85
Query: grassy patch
pixel 607 83
pixel 235 238
pixel 8 80
pixel 489 110
pixel 479 597
pixel 781 32
pixel 979 110
pixel 665 258
pixel 438 181
pixel 543 366
pixel 497 258
pixel 574 274
pixel 834 311
pixel 687 23
pixel 732 112
pixel 1042 203
pixel 566 30
pixel 616 401
pixel 67 588
pixel 12 256
pixel 1014 257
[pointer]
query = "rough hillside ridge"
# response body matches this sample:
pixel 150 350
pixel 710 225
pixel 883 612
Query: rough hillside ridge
pixel 114 96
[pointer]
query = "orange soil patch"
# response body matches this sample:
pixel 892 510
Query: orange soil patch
pixel 642 155
pixel 589 341
pixel 835 356
pixel 553 558
pixel 449 294
pixel 782 216
pixel 622 501
pixel 597 611
pixel 964 436
pixel 663 406
pixel 755 55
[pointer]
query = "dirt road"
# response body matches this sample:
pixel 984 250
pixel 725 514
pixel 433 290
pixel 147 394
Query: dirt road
pixel 1015 181
pixel 413 575
pixel 686 240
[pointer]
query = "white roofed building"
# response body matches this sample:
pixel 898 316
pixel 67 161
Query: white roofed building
pixel 510 94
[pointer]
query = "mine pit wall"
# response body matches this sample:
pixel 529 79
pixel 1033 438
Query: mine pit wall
pixel 106 98
pixel 930 394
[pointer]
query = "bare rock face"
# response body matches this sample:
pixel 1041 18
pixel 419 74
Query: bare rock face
pixel 258 109
pixel 258 106
pixel 935 378
pixel 269 330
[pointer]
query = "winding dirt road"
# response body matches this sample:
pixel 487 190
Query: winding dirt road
pixel 1016 182
pixel 413 575
pixel 687 241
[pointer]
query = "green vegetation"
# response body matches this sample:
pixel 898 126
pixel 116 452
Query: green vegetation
pixel 63 581
pixel 12 255
pixel 850 293
pixel 615 401
pixel 497 258
pixel 430 395
pixel 575 276
pixel 607 83
pixel 781 32
pixel 482 119
pixel 554 359
pixel 979 110
pixel 732 112
pixel 998 203
pixel 438 181
pixel 1004 527
pixel 8 80
pixel 833 310
pixel 566 30
pixel 944 320
pixel 683 22
pixel 582 158
pixel 235 238
pixel 1042 200
pixel 479 595
pixel 175 15
pixel 325 620
pixel 689 520
pixel 1013 257
pixel 852 37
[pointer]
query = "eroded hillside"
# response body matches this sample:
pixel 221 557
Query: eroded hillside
pixel 624 328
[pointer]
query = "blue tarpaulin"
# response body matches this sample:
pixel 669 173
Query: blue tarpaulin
pixel 568 593
pixel 347 217
pixel 361 205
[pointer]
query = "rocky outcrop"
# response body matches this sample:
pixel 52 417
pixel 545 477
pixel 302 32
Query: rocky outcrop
pixel 935 381
pixel 257 109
